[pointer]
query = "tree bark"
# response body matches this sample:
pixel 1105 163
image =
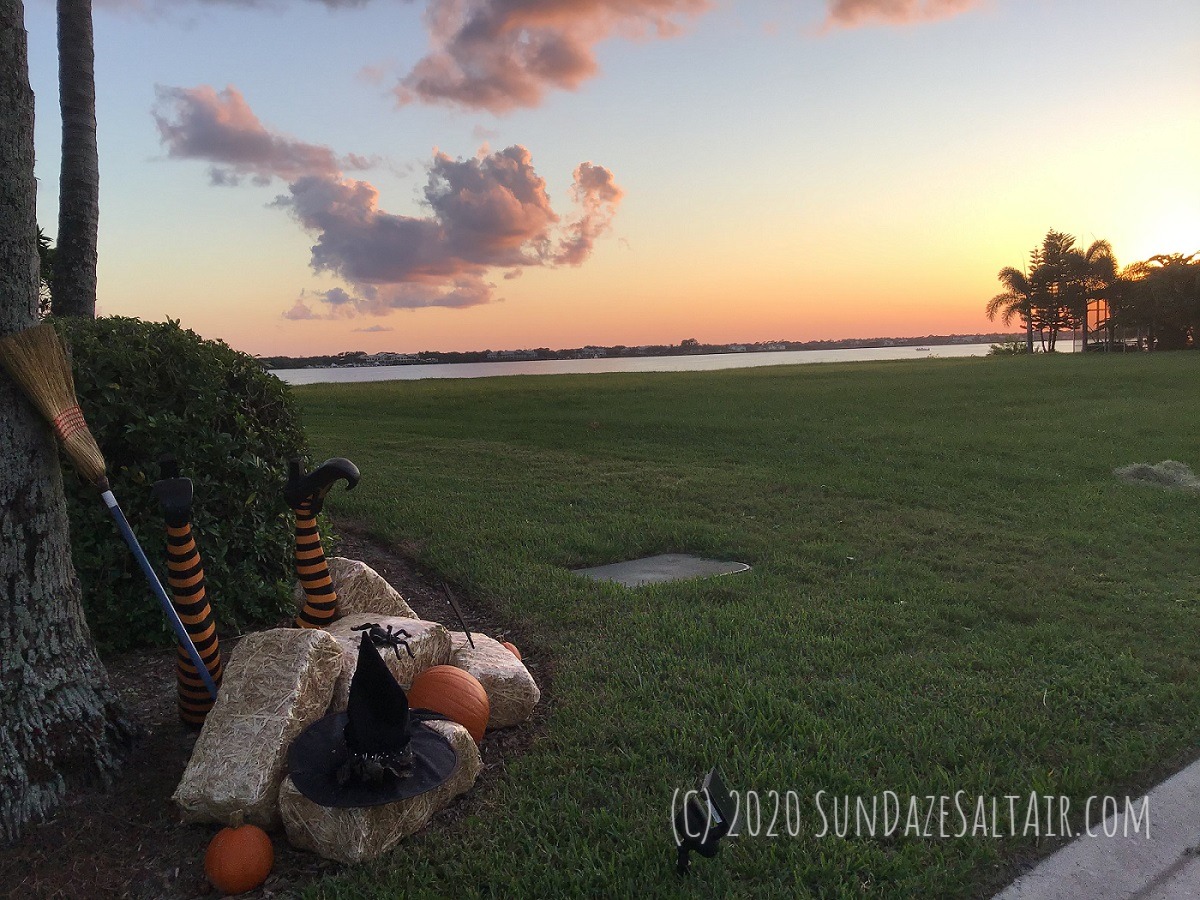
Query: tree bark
pixel 59 721
pixel 73 287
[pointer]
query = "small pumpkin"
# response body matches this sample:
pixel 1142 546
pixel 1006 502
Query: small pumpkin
pixel 456 694
pixel 239 858
pixel 511 648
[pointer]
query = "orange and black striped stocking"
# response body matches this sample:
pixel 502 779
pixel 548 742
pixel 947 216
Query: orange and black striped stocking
pixel 185 575
pixel 320 599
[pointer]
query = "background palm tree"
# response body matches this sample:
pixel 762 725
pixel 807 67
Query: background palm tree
pixel 1062 282
pixel 73 287
pixel 1162 295
pixel 1016 300
pixel 1097 272
pixel 1057 286
pixel 45 271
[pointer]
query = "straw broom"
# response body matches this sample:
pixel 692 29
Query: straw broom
pixel 37 362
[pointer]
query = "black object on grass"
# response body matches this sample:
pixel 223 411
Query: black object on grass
pixel 707 815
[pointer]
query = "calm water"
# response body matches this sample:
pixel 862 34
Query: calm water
pixel 629 364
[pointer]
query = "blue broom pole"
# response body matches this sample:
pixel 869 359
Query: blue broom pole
pixel 185 639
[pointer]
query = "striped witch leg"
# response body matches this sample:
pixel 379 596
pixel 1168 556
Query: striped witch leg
pixel 320 599
pixel 305 495
pixel 185 575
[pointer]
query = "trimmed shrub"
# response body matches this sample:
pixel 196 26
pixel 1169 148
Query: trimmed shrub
pixel 148 388
pixel 1009 348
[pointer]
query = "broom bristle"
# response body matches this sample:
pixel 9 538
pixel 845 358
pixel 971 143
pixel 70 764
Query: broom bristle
pixel 37 362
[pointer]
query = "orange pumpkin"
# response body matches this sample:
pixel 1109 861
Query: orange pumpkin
pixel 239 858
pixel 456 694
pixel 511 648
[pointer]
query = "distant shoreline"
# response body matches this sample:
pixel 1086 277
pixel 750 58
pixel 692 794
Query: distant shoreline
pixel 690 362
pixel 689 347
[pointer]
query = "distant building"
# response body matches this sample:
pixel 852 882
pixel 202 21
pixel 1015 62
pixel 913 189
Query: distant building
pixel 393 359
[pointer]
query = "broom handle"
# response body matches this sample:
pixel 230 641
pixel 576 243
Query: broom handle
pixel 185 640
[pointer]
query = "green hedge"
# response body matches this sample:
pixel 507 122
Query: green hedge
pixel 147 388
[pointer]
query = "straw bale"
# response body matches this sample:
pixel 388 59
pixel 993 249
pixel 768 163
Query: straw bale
pixel 512 692
pixel 365 833
pixel 276 684
pixel 1167 474
pixel 430 643
pixel 360 589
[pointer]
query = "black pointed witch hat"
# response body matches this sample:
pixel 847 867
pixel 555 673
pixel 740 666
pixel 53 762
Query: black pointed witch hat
pixel 374 752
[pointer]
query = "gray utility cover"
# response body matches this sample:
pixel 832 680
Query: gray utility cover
pixel 655 569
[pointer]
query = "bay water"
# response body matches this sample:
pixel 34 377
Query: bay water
pixel 700 362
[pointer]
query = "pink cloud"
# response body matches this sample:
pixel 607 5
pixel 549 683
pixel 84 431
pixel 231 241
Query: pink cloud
pixel 597 195
pixel 200 123
pixel 374 73
pixel 299 310
pixel 492 211
pixel 157 9
pixel 853 13
pixel 502 54
pixel 489 212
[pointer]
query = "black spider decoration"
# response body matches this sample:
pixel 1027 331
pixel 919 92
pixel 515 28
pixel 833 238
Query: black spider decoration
pixel 375 768
pixel 394 638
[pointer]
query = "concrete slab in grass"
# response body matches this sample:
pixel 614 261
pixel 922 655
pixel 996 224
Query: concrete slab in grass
pixel 657 569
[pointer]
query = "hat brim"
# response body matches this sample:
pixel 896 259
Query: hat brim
pixel 320 750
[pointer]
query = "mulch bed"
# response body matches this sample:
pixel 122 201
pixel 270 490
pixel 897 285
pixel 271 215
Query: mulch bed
pixel 129 842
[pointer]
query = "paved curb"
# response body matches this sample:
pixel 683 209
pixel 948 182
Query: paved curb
pixel 1165 866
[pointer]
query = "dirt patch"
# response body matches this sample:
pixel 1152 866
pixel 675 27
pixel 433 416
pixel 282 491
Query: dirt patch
pixel 1167 474
pixel 129 842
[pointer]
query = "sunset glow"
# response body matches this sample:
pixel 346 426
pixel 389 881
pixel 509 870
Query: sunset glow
pixel 321 177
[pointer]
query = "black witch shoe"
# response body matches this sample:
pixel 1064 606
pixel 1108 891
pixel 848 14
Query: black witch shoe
pixel 306 493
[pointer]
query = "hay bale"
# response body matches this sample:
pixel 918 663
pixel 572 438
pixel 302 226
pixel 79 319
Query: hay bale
pixel 276 684
pixel 512 692
pixel 365 833
pixel 360 589
pixel 430 643
pixel 1167 474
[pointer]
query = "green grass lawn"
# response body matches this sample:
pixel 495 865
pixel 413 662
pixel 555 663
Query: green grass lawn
pixel 950 591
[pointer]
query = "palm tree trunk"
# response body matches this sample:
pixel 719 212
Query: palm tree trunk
pixel 59 721
pixel 74 284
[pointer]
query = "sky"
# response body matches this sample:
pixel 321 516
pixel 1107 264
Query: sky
pixel 318 176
